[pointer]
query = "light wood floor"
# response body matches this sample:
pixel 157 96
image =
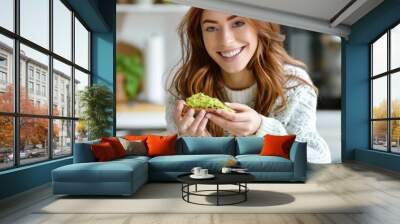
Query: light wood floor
pixel 378 188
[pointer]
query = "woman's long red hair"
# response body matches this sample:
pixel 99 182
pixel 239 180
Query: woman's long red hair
pixel 198 72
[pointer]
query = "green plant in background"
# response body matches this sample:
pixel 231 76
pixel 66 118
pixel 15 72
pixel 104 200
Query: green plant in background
pixel 131 67
pixel 96 102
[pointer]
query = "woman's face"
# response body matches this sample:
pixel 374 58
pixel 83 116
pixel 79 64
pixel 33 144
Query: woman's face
pixel 228 39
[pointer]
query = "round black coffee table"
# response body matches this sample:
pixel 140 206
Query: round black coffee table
pixel 238 179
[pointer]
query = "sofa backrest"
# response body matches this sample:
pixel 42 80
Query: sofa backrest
pixel 83 152
pixel 206 145
pixel 249 145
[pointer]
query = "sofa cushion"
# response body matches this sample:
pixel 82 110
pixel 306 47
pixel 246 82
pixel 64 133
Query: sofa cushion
pixel 257 163
pixel 103 151
pixel 249 145
pixel 207 145
pixel 116 145
pixel 185 163
pixel 161 145
pixel 277 145
pixel 111 171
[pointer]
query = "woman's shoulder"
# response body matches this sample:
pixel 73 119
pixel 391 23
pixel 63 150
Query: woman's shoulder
pixel 292 72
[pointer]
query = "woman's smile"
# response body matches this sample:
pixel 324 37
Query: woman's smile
pixel 231 54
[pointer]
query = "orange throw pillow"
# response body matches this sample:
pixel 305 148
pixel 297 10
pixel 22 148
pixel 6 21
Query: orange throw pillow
pixel 116 145
pixel 161 145
pixel 103 151
pixel 277 145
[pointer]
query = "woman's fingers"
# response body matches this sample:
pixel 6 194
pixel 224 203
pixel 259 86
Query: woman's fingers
pixel 187 120
pixel 202 126
pixel 179 108
pixel 235 127
pixel 232 116
pixel 193 127
pixel 237 106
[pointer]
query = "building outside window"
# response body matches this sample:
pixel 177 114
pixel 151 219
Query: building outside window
pixel 385 92
pixel 57 127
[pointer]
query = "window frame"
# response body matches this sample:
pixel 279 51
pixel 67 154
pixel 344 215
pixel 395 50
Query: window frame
pixel 388 74
pixel 16 115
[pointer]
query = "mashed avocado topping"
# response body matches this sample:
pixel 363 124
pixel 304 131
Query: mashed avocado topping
pixel 200 100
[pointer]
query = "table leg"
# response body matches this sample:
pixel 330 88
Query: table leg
pixel 217 194
pixel 196 188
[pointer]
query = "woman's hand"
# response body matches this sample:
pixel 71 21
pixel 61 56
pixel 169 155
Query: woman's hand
pixel 244 122
pixel 188 124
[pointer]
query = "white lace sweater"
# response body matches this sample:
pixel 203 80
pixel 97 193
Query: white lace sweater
pixel 298 118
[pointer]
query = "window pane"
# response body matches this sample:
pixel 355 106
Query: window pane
pixel 395 94
pixel 395 136
pixel 379 55
pixel 34 78
pixel 81 45
pixel 379 97
pixel 6 142
pixel 62 29
pixel 81 131
pixel 395 47
pixel 62 138
pixel 81 81
pixel 33 140
pixel 35 21
pixel 379 135
pixel 6 74
pixel 7 14
pixel 62 89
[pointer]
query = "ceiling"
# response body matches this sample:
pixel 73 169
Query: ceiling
pixel 325 16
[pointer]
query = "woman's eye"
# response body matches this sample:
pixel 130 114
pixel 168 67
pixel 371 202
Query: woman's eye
pixel 238 24
pixel 210 29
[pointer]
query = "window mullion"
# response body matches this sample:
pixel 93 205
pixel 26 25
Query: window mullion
pixel 50 81
pixel 16 83
pixel 73 82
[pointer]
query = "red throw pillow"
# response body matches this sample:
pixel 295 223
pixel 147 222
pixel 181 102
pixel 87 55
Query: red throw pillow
pixel 161 145
pixel 277 145
pixel 116 145
pixel 103 151
pixel 136 137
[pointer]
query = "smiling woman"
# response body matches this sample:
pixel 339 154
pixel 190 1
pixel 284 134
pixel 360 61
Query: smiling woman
pixel 242 61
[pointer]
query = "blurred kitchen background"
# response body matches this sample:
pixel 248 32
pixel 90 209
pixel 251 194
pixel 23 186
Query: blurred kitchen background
pixel 148 47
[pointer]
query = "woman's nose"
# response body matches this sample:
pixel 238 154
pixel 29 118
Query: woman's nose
pixel 227 37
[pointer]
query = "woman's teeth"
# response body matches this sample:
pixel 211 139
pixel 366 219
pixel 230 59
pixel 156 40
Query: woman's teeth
pixel 229 54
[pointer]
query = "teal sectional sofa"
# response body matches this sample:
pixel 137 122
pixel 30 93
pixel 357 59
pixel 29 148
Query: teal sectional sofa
pixel 125 176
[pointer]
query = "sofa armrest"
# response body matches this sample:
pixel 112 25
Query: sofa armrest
pixel 298 155
pixel 83 152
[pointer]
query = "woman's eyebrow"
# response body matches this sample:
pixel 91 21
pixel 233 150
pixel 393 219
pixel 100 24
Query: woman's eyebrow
pixel 213 21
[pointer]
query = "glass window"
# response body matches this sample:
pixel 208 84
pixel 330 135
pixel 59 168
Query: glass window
pixel 7 14
pixel 34 80
pixel 379 56
pixel 395 136
pixel 81 81
pixel 379 98
pixel 33 140
pixel 62 74
pixel 6 73
pixel 35 21
pixel 81 131
pixel 6 142
pixel 395 95
pixel 38 60
pixel 395 47
pixel 62 138
pixel 62 29
pixel 379 135
pixel 81 45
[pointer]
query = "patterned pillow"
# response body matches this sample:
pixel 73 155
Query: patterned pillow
pixel 134 147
